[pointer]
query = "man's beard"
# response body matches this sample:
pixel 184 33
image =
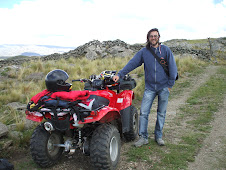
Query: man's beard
pixel 157 42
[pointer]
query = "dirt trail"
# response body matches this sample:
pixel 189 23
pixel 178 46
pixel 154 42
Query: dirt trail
pixel 174 104
pixel 212 154
pixel 212 144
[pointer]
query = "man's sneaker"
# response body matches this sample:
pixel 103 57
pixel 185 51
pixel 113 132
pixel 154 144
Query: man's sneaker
pixel 140 142
pixel 160 142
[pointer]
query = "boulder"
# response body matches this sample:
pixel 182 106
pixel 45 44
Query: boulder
pixel 91 55
pixel 17 106
pixel 3 130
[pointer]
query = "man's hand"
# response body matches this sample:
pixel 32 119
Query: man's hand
pixel 169 89
pixel 115 78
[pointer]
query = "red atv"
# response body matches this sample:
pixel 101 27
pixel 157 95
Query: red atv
pixel 93 120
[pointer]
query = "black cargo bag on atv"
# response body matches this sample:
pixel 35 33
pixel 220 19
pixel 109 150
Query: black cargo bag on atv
pixel 127 84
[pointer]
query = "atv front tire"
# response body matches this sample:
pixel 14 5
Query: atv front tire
pixel 133 131
pixel 105 147
pixel 43 151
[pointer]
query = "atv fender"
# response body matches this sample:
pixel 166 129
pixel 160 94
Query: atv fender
pixel 125 117
pixel 107 114
pixel 124 99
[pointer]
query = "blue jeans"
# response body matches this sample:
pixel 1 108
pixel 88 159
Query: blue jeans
pixel 146 104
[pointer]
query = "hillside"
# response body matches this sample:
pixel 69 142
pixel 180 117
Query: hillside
pixel 96 49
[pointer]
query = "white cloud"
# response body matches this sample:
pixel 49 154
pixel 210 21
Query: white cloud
pixel 75 22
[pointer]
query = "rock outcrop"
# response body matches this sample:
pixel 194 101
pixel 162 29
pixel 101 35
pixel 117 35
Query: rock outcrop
pixel 3 130
pixel 199 48
pixel 96 49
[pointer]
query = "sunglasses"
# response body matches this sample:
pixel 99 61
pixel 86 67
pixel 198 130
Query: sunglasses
pixel 153 36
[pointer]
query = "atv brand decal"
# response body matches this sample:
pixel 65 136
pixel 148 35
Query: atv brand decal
pixel 88 107
pixel 110 94
pixel 119 100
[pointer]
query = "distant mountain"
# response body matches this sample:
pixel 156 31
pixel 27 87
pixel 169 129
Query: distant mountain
pixel 10 50
pixel 30 54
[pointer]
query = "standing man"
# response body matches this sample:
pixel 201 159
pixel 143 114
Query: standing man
pixel 157 83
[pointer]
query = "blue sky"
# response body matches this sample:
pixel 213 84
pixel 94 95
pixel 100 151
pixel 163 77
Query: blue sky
pixel 75 22
pixel 9 3
pixel 217 1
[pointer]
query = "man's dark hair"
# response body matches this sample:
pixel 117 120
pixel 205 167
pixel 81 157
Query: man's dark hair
pixel 149 32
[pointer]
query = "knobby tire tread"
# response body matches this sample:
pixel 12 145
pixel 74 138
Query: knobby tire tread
pixel 131 135
pixel 99 154
pixel 38 142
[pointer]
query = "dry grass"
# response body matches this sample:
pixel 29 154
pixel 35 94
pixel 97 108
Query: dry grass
pixel 21 90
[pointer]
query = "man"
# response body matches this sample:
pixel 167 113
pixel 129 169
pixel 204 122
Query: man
pixel 157 83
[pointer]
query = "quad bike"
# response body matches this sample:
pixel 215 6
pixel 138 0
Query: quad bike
pixel 93 120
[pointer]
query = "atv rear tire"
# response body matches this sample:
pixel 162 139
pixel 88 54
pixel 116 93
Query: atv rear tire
pixel 43 151
pixel 133 131
pixel 105 147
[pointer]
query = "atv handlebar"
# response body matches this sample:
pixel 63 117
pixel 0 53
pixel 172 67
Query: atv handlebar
pixel 82 80
pixel 105 79
pixel 104 75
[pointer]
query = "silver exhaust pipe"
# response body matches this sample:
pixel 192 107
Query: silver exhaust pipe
pixel 48 126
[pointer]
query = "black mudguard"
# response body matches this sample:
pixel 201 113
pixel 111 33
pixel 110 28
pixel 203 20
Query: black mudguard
pixel 125 117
